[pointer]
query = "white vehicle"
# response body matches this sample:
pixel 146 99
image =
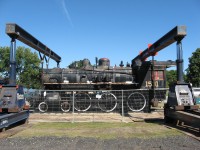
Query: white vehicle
pixel 196 92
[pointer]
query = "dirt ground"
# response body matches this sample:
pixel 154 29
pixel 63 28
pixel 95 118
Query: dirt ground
pixel 94 117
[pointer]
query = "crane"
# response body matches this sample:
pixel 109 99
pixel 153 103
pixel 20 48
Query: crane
pixel 12 96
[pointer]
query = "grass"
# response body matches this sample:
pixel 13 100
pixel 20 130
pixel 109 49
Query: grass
pixel 98 130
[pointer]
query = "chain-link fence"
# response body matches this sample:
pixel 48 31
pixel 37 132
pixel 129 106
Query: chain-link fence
pixel 92 105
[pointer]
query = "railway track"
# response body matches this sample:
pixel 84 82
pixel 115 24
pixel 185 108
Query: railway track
pixel 185 129
pixel 194 112
pixel 14 129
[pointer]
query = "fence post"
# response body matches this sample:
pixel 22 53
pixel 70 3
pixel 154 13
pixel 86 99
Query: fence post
pixel 73 108
pixel 122 106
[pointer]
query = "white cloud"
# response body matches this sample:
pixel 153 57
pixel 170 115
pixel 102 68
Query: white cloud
pixel 66 12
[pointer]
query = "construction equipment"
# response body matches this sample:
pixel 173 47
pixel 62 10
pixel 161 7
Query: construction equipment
pixel 13 107
pixel 181 104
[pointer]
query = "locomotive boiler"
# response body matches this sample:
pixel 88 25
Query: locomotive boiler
pixel 101 76
pixel 104 76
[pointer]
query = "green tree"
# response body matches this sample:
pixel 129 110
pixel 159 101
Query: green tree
pixel 171 77
pixel 193 70
pixel 28 72
pixel 76 64
pixel 4 61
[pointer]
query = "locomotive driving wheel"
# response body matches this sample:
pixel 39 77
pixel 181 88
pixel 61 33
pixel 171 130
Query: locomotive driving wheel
pixel 43 107
pixel 136 101
pixel 82 101
pixel 107 102
pixel 65 106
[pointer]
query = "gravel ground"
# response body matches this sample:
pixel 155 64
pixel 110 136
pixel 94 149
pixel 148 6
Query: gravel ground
pixel 80 143
pixel 8 142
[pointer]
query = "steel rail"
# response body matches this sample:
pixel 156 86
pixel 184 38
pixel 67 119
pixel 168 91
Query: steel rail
pixel 176 34
pixel 16 32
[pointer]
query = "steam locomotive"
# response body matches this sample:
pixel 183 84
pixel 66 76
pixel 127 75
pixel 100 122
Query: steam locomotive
pixel 100 78
pixel 103 76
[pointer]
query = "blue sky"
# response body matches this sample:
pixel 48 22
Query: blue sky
pixel 115 29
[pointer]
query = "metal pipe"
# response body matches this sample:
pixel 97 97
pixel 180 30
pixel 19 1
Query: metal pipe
pixel 73 107
pixel 122 106
pixel 12 77
pixel 179 62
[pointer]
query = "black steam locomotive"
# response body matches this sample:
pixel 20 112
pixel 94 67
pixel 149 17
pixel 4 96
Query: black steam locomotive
pixel 95 80
pixel 101 76
pixel 104 76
